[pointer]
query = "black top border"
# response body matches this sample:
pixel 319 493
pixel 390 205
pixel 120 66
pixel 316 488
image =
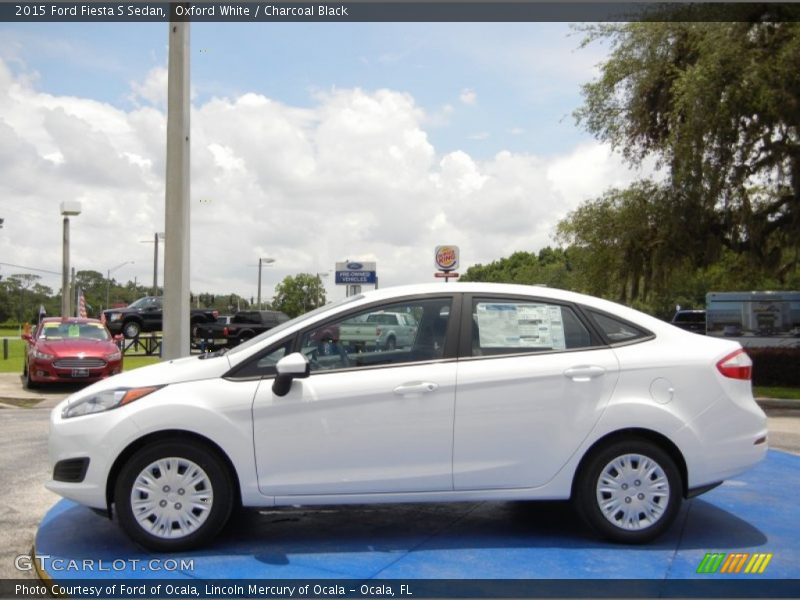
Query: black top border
pixel 398 11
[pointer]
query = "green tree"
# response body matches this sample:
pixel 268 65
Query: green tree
pixel 298 294
pixel 550 267
pixel 718 104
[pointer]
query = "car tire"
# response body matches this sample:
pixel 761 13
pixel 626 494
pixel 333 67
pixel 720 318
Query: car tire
pixel 391 344
pixel 27 382
pixel 149 491
pixel 131 329
pixel 629 491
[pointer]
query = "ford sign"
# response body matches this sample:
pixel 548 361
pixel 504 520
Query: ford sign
pixel 354 266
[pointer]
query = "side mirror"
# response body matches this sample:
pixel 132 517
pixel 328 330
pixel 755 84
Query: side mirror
pixel 27 337
pixel 293 366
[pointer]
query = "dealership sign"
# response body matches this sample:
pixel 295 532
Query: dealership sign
pixel 356 272
pixel 446 258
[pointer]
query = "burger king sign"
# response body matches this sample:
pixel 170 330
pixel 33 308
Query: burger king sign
pixel 446 258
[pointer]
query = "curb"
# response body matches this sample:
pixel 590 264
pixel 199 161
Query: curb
pixel 778 404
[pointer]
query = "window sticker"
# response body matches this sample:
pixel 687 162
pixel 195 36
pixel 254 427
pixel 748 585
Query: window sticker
pixel 506 325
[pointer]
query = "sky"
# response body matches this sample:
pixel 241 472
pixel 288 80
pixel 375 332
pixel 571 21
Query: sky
pixel 312 143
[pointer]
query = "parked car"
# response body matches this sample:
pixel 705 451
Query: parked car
pixel 239 328
pixel 690 320
pixel 507 392
pixel 70 350
pixel 380 330
pixel 146 314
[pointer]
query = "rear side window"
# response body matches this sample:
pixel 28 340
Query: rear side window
pixel 618 331
pixel 517 327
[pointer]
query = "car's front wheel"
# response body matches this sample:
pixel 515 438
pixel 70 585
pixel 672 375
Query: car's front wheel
pixel 131 329
pixel 27 380
pixel 173 496
pixel 629 491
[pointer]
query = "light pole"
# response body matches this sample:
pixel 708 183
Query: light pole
pixel 156 237
pixel 262 261
pixel 318 300
pixel 108 278
pixel 69 208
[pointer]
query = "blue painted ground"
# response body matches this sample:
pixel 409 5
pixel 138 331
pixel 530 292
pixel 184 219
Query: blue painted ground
pixel 758 512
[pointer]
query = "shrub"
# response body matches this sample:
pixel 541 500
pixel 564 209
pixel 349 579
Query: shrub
pixel 775 366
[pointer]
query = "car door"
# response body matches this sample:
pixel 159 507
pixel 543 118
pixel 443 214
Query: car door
pixel 532 382
pixel 152 315
pixel 365 421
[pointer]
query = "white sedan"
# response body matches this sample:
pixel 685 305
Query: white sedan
pixel 506 392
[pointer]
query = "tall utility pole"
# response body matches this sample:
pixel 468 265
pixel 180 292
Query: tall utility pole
pixel 176 245
pixel 262 261
pixel 68 209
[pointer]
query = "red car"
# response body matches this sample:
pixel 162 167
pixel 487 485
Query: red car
pixel 64 350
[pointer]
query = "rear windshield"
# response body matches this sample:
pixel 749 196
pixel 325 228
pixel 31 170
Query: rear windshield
pixel 690 317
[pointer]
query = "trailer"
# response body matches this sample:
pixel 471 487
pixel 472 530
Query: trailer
pixel 761 314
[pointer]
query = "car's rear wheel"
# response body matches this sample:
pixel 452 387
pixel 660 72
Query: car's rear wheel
pixel 629 491
pixel 173 496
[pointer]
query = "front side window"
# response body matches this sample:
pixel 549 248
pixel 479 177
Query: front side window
pixel 402 332
pixel 516 327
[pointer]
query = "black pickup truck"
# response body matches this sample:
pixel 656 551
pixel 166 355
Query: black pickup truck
pixel 242 326
pixel 146 315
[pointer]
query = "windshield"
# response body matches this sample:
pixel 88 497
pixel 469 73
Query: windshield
pixel 291 323
pixel 141 302
pixel 74 331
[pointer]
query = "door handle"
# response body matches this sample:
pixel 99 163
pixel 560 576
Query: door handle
pixel 416 388
pixel 584 372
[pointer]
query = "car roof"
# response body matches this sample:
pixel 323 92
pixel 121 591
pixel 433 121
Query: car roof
pixel 542 292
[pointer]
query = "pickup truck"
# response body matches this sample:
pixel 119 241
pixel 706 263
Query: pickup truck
pixel 145 314
pixel 380 330
pixel 240 327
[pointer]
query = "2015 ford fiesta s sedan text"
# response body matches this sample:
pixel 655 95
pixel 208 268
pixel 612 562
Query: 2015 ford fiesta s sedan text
pixel 503 392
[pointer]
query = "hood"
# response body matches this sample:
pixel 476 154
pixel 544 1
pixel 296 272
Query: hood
pixel 181 370
pixel 73 347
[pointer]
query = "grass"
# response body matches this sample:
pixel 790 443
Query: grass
pixel 782 393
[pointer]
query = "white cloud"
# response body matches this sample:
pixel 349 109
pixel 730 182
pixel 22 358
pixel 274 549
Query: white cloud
pixel 153 89
pixel 468 97
pixel 354 175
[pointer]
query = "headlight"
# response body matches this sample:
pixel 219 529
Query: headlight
pixel 114 355
pixel 114 317
pixel 105 400
pixel 42 355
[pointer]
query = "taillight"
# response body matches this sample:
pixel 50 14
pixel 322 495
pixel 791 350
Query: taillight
pixel 737 365
pixel 224 332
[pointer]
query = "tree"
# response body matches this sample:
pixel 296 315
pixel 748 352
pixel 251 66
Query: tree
pixel 718 104
pixel 299 294
pixel 551 267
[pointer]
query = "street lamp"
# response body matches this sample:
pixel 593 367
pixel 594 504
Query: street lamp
pixel 262 261
pixel 156 237
pixel 69 208
pixel 108 278
pixel 319 278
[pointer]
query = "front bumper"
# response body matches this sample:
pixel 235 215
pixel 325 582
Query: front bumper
pixel 97 439
pixel 45 371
